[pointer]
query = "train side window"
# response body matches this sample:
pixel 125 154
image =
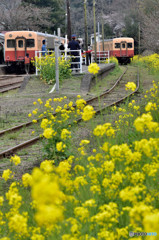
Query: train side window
pixel 129 45
pixel 117 45
pixel 20 43
pixel 123 45
pixel 30 43
pixel 11 43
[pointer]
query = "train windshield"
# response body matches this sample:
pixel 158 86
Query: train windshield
pixel 117 45
pixel 20 43
pixel 123 45
pixel 11 43
pixel 30 43
pixel 129 45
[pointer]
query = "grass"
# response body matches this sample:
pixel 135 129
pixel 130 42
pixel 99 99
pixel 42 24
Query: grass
pixel 106 82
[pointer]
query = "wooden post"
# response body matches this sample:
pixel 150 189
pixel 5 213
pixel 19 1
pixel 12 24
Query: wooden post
pixel 57 66
pixel 95 44
pixel 102 31
pixel 86 31
pixel 139 41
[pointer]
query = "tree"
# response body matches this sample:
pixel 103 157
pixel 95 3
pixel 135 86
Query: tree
pixel 69 30
pixel 132 29
pixel 108 31
pixel 149 12
pixel 15 16
pixel 56 13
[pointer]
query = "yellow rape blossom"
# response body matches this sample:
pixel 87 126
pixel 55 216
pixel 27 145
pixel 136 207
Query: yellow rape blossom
pixel 65 134
pixel 130 86
pixel 7 174
pixel 82 213
pixel 1 200
pixel 48 133
pixel 88 113
pixel 47 166
pixel 15 159
pixel 80 103
pixel 44 123
pixel 34 121
pixel 145 122
pixel 37 237
pixel 151 223
pixel 60 146
pixel 93 68
pixel 34 112
pixel 27 180
pixel 18 223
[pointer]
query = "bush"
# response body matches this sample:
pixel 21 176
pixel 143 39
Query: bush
pixel 46 66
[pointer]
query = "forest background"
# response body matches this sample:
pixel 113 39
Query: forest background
pixel 131 18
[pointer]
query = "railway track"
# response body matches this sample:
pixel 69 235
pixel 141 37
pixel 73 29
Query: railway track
pixel 8 82
pixel 115 95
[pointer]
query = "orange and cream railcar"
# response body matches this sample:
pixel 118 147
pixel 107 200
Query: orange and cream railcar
pixel 122 48
pixel 20 46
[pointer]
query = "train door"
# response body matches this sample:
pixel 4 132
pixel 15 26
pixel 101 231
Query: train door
pixel 123 49
pixel 20 50
pixel 1 52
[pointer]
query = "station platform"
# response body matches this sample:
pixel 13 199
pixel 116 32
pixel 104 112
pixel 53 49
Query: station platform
pixel 85 69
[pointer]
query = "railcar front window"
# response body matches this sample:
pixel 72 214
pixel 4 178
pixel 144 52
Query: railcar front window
pixel 30 43
pixel 117 45
pixel 20 43
pixel 129 45
pixel 123 45
pixel 11 43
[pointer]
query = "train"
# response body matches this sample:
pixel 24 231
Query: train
pixel 122 48
pixel 1 48
pixel 20 47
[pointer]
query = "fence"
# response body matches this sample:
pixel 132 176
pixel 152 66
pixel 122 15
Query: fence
pixel 101 56
pixel 75 61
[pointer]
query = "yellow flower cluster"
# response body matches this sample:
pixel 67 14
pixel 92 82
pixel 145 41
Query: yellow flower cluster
pixel 88 113
pixel 16 160
pixel 104 189
pixel 130 86
pixel 46 66
pixel 145 123
pixel 105 129
pixel 93 68
pixel 152 61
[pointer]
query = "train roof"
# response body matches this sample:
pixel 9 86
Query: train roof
pixel 2 35
pixel 117 39
pixel 33 32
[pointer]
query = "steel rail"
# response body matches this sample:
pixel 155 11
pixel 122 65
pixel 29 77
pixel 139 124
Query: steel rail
pixel 10 87
pixel 109 90
pixel 30 142
pixel 119 101
pixel 8 83
pixel 12 150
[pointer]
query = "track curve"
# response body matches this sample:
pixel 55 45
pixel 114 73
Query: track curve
pixel 105 102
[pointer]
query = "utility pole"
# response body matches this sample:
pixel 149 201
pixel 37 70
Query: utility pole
pixel 95 44
pixel 86 31
pixel 68 20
